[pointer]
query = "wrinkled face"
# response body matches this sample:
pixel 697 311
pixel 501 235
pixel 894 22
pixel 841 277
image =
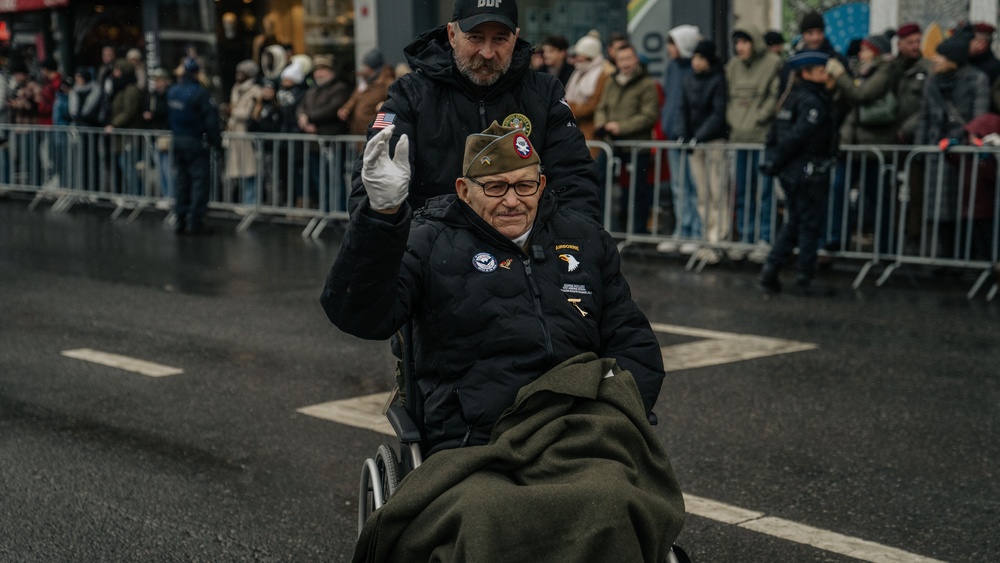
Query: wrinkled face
pixel 813 38
pixel 744 49
pixel 512 215
pixel 942 65
pixel 909 46
pixel 483 54
pixel 553 57
pixel 626 60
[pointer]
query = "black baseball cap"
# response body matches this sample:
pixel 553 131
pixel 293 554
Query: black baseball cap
pixel 470 13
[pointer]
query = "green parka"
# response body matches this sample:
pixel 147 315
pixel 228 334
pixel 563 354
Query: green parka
pixel 753 90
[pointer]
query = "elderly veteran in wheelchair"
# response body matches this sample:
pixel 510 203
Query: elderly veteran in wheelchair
pixel 536 372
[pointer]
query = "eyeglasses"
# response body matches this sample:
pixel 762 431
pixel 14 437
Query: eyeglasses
pixel 523 188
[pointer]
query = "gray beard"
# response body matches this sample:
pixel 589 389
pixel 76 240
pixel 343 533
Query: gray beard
pixel 467 70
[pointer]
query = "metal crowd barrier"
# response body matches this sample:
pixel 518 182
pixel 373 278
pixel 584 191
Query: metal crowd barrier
pixel 887 206
pixel 732 210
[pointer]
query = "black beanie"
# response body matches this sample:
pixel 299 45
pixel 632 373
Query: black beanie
pixel 812 20
pixel 773 38
pixel 956 48
pixel 740 34
pixel 706 48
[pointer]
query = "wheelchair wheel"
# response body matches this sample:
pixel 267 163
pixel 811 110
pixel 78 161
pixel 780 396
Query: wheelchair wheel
pixel 379 480
pixel 388 467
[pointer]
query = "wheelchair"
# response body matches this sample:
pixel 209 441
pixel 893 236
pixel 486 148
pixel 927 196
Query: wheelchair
pixel 382 474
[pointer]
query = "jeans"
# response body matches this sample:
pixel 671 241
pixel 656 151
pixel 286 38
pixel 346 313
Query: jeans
pixel 688 223
pixel 753 221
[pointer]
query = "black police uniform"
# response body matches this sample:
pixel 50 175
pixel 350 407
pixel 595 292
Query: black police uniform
pixel 801 149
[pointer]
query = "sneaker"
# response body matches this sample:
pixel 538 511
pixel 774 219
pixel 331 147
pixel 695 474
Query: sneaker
pixel 667 247
pixel 737 254
pixel 759 254
pixel 708 256
pixel 689 248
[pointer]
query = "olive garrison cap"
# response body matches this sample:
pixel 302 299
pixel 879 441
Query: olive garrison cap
pixel 497 150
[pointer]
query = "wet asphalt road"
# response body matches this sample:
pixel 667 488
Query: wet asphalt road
pixel 887 431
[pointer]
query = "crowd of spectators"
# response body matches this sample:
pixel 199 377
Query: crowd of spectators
pixel 885 91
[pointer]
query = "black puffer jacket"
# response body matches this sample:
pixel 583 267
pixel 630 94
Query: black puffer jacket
pixel 703 107
pixel 488 318
pixel 438 108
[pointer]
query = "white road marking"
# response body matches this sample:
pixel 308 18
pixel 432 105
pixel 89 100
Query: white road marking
pixel 362 412
pixel 122 362
pixel 718 348
pixel 833 542
pixel 715 348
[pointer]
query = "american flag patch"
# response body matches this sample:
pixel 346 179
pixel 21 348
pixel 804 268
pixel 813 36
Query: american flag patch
pixel 383 120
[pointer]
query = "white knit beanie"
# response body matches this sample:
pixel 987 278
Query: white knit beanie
pixel 293 72
pixel 588 46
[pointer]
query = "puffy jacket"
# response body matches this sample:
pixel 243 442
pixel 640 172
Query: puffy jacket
pixel 753 90
pixel 320 105
pixel 487 317
pixel 803 130
pixel 703 107
pixel 438 108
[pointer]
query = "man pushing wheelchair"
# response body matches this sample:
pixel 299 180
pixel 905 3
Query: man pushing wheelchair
pixel 536 371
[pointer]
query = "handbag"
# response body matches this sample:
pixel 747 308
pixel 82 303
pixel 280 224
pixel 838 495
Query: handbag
pixel 879 112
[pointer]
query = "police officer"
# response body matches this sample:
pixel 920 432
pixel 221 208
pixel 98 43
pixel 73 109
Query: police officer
pixel 194 122
pixel 801 148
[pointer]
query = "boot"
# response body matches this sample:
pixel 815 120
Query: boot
pixel 768 278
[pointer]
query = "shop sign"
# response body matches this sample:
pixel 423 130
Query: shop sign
pixel 7 6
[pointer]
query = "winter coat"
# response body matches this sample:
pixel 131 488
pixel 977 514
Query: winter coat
pixel 970 98
pixel 872 84
pixel 85 105
pixel 363 104
pixel 438 108
pixel 673 93
pixel 912 78
pixel 289 100
pixel 634 105
pixel 191 113
pixel 126 109
pixel 703 107
pixel 980 170
pixel 488 317
pixel 241 158
pixel 803 131
pixel 752 87
pixel 583 93
pixel 48 99
pixel 320 105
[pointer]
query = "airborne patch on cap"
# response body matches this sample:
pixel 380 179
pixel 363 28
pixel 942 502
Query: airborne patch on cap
pixel 522 146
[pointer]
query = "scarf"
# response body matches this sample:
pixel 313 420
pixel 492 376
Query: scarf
pixel 582 84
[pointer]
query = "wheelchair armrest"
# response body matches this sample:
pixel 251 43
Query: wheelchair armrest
pixel 403 425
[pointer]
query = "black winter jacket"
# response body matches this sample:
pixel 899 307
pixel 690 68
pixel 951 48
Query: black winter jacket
pixel 487 318
pixel 703 107
pixel 804 130
pixel 438 108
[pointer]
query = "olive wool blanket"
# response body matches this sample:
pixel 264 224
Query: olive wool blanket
pixel 573 472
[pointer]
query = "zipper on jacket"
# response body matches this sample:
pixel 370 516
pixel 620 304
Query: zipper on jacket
pixel 468 436
pixel 538 306
pixel 482 115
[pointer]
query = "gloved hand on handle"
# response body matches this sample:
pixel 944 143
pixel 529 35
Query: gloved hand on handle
pixel 386 179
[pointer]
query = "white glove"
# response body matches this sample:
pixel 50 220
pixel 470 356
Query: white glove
pixel 387 180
